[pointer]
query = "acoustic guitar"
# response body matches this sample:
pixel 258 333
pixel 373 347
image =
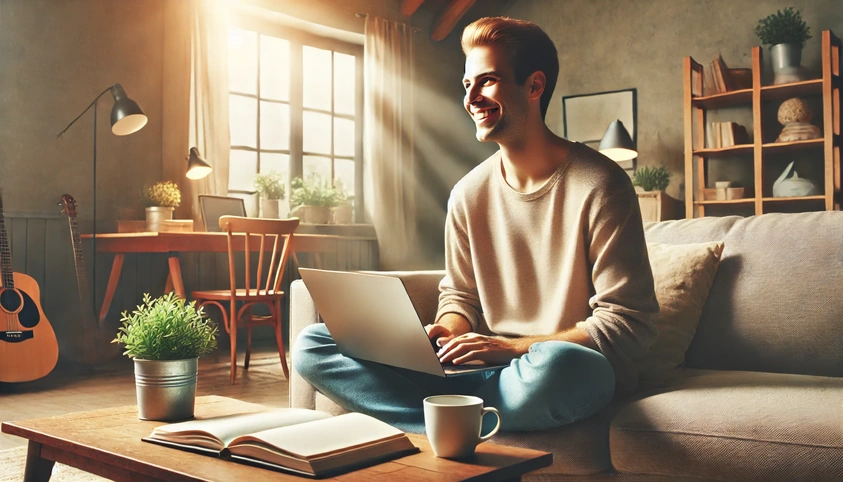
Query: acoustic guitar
pixel 89 340
pixel 28 347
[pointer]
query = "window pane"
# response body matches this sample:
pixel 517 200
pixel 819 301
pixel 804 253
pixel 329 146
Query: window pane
pixel 275 68
pixel 242 60
pixel 316 135
pixel 275 126
pixel 320 166
pixel 241 170
pixel 344 83
pixel 243 120
pixel 344 175
pixel 317 77
pixel 343 137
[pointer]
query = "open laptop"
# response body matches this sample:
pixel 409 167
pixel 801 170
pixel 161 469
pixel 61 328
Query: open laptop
pixel 213 207
pixel 371 317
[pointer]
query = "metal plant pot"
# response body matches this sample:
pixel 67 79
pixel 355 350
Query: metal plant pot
pixel 166 388
pixel 156 214
pixel 786 63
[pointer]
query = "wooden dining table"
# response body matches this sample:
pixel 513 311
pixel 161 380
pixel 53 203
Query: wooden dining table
pixel 174 243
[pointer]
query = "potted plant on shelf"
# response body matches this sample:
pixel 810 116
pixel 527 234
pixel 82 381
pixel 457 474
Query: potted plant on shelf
pixel 785 32
pixel 313 199
pixel 651 178
pixel 343 212
pixel 271 189
pixel 160 199
pixel 165 337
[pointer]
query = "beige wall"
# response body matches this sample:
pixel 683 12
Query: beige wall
pixel 609 45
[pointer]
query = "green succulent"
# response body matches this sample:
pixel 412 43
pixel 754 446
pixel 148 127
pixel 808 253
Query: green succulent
pixel 651 178
pixel 783 27
pixel 166 328
pixel 162 193
pixel 270 185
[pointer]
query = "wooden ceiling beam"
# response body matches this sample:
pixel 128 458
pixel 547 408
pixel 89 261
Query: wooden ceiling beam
pixel 409 7
pixel 451 14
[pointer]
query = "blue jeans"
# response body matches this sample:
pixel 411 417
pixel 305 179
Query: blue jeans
pixel 554 384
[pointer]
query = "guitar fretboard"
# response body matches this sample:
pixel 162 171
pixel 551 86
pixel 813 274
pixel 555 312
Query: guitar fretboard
pixel 81 278
pixel 5 253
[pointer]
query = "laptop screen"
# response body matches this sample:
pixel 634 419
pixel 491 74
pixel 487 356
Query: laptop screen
pixel 215 206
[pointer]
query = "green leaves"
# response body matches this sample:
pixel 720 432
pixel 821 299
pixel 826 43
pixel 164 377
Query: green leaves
pixel 651 179
pixel 314 192
pixel 270 186
pixel 783 27
pixel 166 328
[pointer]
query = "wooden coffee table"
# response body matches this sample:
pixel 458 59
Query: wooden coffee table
pixel 108 443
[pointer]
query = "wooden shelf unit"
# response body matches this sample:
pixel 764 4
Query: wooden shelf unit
pixel 697 156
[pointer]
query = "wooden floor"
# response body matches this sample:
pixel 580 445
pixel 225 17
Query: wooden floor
pixel 73 388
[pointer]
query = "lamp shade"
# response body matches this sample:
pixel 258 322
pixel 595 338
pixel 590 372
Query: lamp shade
pixel 197 168
pixel 126 116
pixel 616 143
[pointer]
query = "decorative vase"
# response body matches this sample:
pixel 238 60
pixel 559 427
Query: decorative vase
pixel 269 208
pixel 786 63
pixel 166 389
pixel 317 214
pixel 156 214
pixel 342 214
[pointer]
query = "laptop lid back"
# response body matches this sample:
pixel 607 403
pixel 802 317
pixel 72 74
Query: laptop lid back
pixel 213 207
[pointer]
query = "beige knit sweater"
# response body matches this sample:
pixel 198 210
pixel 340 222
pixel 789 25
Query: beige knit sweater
pixel 570 254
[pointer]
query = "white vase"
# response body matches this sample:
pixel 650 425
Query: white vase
pixel 156 214
pixel 269 208
pixel 342 214
pixel 317 214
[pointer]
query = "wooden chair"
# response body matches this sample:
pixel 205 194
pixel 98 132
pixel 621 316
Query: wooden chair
pixel 257 234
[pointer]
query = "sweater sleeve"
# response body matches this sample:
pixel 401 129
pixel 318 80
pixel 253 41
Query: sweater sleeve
pixel 624 300
pixel 458 289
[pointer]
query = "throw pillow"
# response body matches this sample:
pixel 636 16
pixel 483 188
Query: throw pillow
pixel 683 275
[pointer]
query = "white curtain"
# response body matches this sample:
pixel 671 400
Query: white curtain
pixel 196 97
pixel 389 163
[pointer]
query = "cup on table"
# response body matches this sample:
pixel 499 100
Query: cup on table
pixel 453 424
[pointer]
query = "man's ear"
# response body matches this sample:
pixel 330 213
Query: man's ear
pixel 536 83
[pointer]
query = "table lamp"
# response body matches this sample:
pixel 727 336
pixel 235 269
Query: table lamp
pixel 197 168
pixel 616 144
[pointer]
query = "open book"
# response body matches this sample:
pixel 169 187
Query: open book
pixel 303 441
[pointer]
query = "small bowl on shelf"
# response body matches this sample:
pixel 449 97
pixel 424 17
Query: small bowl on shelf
pixel 734 193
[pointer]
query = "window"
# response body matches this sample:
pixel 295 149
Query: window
pixel 295 107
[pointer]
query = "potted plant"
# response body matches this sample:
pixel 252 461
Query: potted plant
pixel 343 212
pixel 313 199
pixel 651 178
pixel 165 337
pixel 160 200
pixel 271 189
pixel 785 32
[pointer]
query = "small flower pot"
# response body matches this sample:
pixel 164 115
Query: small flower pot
pixel 156 214
pixel 166 389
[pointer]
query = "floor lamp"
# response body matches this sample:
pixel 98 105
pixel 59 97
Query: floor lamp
pixel 126 118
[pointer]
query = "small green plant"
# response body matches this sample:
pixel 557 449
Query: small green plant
pixel 166 328
pixel 783 27
pixel 162 193
pixel 313 192
pixel 270 185
pixel 651 178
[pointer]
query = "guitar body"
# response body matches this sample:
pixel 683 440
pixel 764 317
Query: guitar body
pixel 28 346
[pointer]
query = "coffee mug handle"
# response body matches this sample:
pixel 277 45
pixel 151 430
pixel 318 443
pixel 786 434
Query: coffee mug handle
pixel 497 427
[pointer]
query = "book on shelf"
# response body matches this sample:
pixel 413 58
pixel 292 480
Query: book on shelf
pixel 301 441
pixel 726 134
pixel 721 74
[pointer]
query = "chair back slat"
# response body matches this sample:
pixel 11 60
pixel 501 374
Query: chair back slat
pixel 280 232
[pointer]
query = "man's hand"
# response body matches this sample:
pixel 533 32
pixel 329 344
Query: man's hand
pixel 448 326
pixel 473 347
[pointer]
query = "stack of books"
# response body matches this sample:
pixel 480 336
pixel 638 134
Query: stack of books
pixel 718 78
pixel 726 134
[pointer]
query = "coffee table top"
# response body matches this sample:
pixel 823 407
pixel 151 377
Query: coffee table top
pixel 107 442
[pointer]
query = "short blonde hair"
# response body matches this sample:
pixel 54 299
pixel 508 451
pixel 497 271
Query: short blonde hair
pixel 530 49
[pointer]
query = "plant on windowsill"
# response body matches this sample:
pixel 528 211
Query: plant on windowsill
pixel 271 189
pixel 165 336
pixel 651 178
pixel 160 200
pixel 312 199
pixel 785 32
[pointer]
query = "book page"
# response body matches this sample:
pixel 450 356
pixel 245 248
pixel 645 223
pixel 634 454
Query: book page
pixel 217 432
pixel 323 437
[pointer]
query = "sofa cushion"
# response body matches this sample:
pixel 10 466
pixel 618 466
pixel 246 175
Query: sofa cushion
pixel 683 274
pixel 734 425
pixel 775 304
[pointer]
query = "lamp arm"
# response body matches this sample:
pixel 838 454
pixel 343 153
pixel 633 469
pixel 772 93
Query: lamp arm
pixel 86 110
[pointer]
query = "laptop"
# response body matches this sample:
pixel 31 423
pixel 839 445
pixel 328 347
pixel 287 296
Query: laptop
pixel 213 207
pixel 371 317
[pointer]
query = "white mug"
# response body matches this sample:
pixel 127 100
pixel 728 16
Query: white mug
pixel 453 424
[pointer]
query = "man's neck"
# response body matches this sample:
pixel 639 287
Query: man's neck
pixel 528 163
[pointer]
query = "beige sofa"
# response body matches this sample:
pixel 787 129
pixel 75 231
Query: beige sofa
pixel 761 395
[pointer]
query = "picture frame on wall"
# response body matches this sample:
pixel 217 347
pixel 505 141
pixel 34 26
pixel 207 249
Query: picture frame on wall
pixel 585 117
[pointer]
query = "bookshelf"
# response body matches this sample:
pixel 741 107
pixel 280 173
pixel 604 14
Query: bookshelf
pixel 764 159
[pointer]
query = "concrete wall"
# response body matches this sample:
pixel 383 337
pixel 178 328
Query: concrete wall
pixel 609 45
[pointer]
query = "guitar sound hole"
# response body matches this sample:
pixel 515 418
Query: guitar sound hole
pixel 11 301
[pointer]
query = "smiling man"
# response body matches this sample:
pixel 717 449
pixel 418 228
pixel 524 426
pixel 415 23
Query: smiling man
pixel 546 263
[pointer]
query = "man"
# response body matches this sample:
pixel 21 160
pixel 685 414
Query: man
pixel 546 263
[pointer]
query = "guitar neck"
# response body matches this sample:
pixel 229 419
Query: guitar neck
pixel 81 277
pixel 5 253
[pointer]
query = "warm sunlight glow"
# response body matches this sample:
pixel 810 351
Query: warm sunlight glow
pixel 317 78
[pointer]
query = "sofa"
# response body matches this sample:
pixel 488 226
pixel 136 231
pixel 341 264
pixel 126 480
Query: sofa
pixel 758 395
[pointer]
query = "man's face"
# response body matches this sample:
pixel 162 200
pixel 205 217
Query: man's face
pixel 496 104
